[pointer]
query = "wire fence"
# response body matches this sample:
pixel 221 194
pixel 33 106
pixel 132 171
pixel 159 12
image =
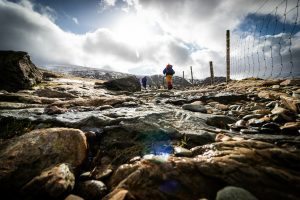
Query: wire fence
pixel 268 44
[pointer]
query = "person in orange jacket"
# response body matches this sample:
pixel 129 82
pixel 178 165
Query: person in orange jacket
pixel 169 72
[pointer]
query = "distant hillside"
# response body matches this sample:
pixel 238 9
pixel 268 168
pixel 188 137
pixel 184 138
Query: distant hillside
pixel 207 81
pixel 87 72
pixel 99 74
pixel 159 80
pixel 102 74
pixel 66 68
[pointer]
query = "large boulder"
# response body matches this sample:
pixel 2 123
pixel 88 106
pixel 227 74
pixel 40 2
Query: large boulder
pixel 17 71
pixel 263 169
pixel 225 98
pixel 25 157
pixel 51 183
pixel 130 83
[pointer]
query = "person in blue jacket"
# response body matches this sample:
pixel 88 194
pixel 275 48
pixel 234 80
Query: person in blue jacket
pixel 144 82
pixel 169 72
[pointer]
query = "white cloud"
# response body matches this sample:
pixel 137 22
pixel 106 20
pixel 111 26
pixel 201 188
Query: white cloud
pixel 105 4
pixel 110 2
pixel 75 20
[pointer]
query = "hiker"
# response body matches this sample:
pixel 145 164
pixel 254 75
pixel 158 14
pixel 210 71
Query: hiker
pixel 168 72
pixel 144 82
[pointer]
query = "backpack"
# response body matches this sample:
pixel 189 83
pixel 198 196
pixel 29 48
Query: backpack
pixel 169 70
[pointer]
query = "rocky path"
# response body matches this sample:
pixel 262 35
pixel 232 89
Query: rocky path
pixel 70 138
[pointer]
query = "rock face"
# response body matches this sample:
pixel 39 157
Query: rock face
pixel 234 193
pixel 25 157
pixel 51 183
pixel 130 84
pixel 17 71
pixel 217 165
pixel 149 144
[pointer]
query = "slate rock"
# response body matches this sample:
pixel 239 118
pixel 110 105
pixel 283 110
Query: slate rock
pixel 17 71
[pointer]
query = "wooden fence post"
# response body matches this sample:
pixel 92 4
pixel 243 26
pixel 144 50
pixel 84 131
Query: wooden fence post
pixel 211 72
pixel 227 56
pixel 192 75
pixel 182 78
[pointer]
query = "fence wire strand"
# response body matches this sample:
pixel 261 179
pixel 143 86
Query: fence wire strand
pixel 268 49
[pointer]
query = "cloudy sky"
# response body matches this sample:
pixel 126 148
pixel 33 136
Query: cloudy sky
pixel 135 36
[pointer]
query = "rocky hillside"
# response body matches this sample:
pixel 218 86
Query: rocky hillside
pixel 17 71
pixel 101 74
pixel 77 138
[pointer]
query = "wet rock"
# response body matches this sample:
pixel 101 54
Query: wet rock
pixel 199 137
pixel 20 98
pixel 262 112
pixel 241 123
pixel 253 116
pixel 85 176
pixel 105 107
pixel 267 131
pixel 17 71
pixel 211 103
pixel 51 110
pixel 249 131
pixel 73 197
pixel 255 122
pixel 51 183
pixel 130 84
pixel 49 75
pixel 275 86
pixel 220 121
pixel 102 172
pixel 194 108
pixel 296 94
pixel 182 152
pixel 225 98
pixel 51 93
pixel 290 82
pixel 89 120
pixel 130 104
pixel 271 104
pixel 267 83
pixel 37 150
pixel 163 95
pixel 93 101
pixel 119 194
pixel 221 107
pixel 283 113
pixel 272 128
pixel 91 189
pixel 219 164
pixel 135 159
pixel 234 193
pixel 234 107
pixel 291 103
pixel 220 138
pixel 291 128
pixel 271 94
pixel 176 101
pixel 12 105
